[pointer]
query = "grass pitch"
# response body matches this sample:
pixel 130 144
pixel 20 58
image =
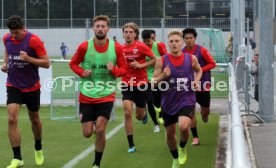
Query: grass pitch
pixel 63 140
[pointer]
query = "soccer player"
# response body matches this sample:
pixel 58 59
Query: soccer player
pixel 157 95
pixel 63 49
pixel 152 34
pixel 181 73
pixel 207 63
pixel 24 54
pixel 154 96
pixel 135 81
pixel 95 62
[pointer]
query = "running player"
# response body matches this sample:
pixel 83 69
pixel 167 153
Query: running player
pixel 207 63
pixel 95 62
pixel 181 74
pixel 154 96
pixel 152 34
pixel 135 91
pixel 24 54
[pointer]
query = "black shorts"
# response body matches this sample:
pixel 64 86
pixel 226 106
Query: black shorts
pixel 154 95
pixel 90 112
pixel 133 93
pixel 150 95
pixel 157 98
pixel 31 99
pixel 203 98
pixel 171 119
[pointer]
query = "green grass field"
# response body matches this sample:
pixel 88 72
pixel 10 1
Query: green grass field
pixel 220 78
pixel 63 140
pixel 62 69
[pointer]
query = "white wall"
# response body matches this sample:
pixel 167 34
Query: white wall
pixel 45 76
pixel 52 38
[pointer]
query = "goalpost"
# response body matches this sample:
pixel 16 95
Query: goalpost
pixel 213 40
pixel 64 92
pixel 64 100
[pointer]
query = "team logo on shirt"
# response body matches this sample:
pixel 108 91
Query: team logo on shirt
pixel 14 57
pixel 172 81
pixel 182 80
pixel 135 50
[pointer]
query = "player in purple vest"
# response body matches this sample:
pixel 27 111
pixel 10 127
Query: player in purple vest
pixel 179 73
pixel 24 54
pixel 207 63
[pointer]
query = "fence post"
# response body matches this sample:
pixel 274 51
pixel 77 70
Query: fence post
pixel 163 31
pixel 236 36
pixel 2 2
pixel 266 70
pixel 247 77
pixel 87 29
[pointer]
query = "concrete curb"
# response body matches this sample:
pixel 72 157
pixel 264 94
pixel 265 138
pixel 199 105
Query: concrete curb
pixel 249 144
pixel 222 141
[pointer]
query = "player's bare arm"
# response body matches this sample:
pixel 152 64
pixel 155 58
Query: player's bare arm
pixel 159 74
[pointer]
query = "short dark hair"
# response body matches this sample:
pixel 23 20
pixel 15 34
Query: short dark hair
pixel 146 34
pixel 189 31
pixel 15 22
pixel 152 31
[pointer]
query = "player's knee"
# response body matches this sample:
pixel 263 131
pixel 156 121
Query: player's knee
pixel 12 120
pixel 35 120
pixel 139 116
pixel 128 114
pixel 184 127
pixel 100 131
pixel 87 134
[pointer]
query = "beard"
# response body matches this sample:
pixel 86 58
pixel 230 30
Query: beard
pixel 100 37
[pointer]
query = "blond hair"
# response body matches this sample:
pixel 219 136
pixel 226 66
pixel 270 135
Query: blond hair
pixel 101 17
pixel 133 26
pixel 175 32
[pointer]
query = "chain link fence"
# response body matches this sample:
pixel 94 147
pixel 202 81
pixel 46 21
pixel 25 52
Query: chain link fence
pixel 217 23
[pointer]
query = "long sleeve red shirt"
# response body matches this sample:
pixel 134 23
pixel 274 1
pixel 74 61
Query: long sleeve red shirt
pixel 161 48
pixel 210 62
pixel 117 71
pixel 35 44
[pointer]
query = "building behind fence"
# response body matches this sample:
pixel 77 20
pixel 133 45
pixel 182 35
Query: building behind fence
pixel 72 13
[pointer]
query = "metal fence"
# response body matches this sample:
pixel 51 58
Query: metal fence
pixel 72 34
pixel 218 23
pixel 237 147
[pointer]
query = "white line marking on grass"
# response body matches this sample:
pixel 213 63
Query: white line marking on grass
pixel 82 155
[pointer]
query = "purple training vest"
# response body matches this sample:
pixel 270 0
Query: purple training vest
pixel 206 76
pixel 21 74
pixel 177 96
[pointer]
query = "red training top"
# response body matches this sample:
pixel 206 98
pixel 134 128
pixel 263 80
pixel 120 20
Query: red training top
pixel 210 62
pixel 38 47
pixel 117 71
pixel 137 51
